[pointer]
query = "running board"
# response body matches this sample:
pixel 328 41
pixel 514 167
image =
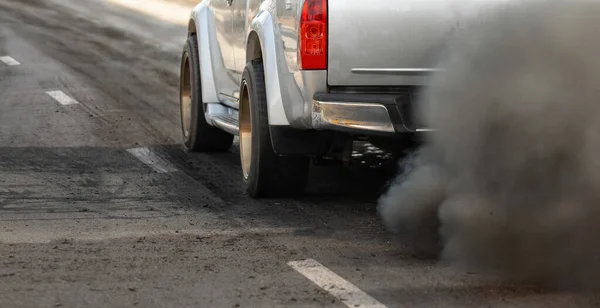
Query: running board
pixel 227 123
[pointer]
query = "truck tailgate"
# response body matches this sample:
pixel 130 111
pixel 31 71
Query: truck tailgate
pixel 391 42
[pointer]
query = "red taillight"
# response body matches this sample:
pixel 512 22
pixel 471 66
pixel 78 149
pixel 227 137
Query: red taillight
pixel 313 36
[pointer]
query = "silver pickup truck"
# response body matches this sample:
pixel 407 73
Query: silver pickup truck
pixel 297 79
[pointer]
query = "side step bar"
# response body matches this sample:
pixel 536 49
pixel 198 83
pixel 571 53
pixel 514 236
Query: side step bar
pixel 227 123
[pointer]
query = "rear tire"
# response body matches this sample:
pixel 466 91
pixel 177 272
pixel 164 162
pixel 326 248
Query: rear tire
pixel 198 135
pixel 266 174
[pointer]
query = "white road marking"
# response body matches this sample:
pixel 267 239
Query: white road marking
pixel 337 286
pixel 9 60
pixel 62 98
pixel 152 160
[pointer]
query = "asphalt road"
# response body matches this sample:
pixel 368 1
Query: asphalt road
pixel 86 222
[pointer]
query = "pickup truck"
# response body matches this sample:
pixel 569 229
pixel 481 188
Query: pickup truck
pixel 302 79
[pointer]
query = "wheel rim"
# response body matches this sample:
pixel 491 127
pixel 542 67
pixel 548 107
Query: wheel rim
pixel 245 130
pixel 185 97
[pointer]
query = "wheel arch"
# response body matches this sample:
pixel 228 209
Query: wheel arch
pixel 199 25
pixel 192 29
pixel 253 47
pixel 285 139
pixel 263 39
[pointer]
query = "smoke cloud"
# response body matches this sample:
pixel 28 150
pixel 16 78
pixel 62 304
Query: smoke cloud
pixel 510 181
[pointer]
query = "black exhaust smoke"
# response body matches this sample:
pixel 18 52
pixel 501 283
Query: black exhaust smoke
pixel 510 180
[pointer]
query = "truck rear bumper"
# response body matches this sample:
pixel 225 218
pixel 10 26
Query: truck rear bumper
pixel 365 114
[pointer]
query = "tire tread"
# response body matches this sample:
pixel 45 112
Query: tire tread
pixel 278 176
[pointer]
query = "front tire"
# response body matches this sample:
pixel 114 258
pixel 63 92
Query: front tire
pixel 266 174
pixel 198 135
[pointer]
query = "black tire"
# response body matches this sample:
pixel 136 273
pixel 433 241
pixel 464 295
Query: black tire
pixel 199 135
pixel 270 175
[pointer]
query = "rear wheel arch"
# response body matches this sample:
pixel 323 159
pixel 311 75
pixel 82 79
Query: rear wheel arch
pixel 192 29
pixel 253 48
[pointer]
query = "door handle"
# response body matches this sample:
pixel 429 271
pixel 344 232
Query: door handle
pixel 229 2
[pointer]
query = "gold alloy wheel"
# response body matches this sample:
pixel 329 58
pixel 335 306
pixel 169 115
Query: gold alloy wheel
pixel 185 97
pixel 245 130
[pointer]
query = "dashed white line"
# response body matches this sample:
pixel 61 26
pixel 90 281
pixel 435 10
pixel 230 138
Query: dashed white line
pixel 154 161
pixel 9 60
pixel 337 286
pixel 62 98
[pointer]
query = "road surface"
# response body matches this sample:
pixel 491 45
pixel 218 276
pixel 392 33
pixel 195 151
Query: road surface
pixel 101 207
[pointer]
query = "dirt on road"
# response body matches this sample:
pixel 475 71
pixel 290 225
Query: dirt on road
pixel 101 207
